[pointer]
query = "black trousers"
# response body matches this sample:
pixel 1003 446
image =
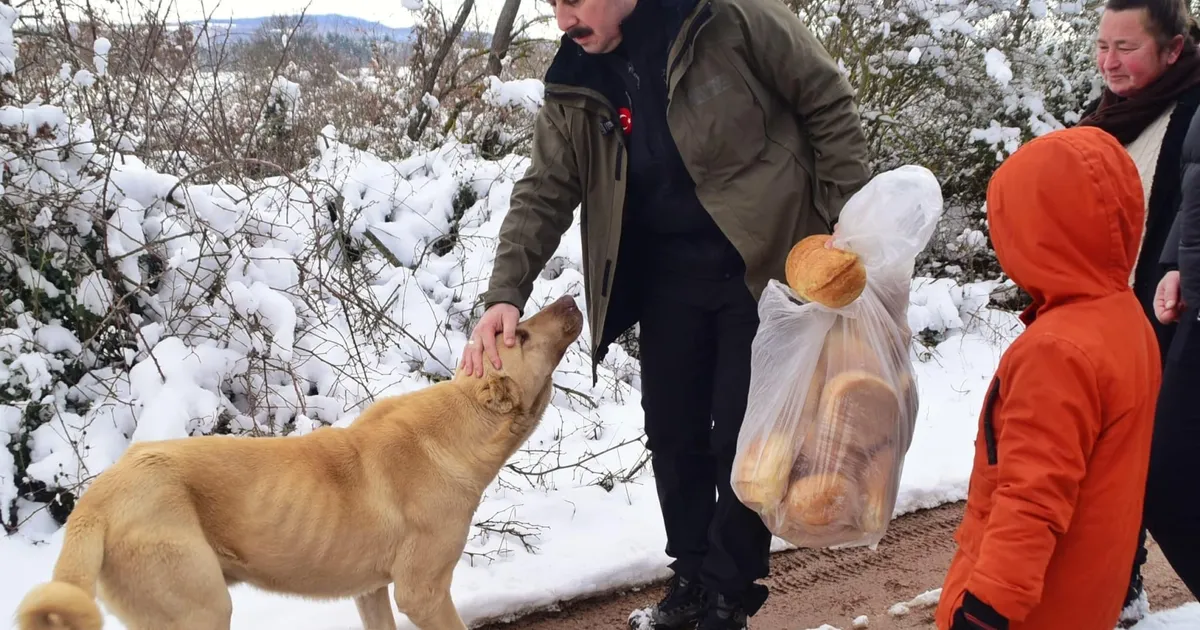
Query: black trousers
pixel 695 340
pixel 1165 333
pixel 1172 511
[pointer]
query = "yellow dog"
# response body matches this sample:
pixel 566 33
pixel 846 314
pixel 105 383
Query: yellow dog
pixel 164 532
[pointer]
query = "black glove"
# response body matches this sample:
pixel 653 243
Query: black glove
pixel 976 615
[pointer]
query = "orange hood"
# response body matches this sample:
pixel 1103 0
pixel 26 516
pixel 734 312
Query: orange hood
pixel 1066 217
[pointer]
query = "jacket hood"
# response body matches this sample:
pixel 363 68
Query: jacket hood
pixel 1066 215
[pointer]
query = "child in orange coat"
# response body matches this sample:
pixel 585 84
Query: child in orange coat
pixel 1055 497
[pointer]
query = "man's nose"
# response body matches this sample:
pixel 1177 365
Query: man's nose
pixel 565 17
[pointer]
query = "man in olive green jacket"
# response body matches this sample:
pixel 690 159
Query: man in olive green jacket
pixel 702 139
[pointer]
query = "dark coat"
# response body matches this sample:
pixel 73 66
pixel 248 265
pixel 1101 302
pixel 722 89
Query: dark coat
pixel 1182 250
pixel 1165 197
pixel 762 117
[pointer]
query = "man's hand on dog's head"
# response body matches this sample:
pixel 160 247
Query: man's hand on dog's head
pixel 498 318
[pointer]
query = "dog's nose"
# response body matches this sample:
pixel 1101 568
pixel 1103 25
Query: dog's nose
pixel 565 303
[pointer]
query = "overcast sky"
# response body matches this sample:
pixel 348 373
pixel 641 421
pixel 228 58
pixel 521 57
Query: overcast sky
pixel 388 12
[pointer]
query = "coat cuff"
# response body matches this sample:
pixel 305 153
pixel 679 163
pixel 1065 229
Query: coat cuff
pixel 493 297
pixel 1014 604
pixel 974 614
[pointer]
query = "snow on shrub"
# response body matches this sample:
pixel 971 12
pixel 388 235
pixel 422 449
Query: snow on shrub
pixel 264 310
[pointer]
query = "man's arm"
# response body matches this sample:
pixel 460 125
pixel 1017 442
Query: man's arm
pixel 787 56
pixel 1170 253
pixel 1047 420
pixel 541 209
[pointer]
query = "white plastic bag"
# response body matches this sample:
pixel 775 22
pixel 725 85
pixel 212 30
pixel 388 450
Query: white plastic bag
pixel 833 397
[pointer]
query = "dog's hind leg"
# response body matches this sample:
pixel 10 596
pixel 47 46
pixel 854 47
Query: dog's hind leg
pixel 375 610
pixel 172 582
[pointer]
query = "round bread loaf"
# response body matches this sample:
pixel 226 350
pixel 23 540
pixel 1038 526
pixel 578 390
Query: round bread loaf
pixel 859 411
pixel 819 500
pixel 761 473
pixel 830 276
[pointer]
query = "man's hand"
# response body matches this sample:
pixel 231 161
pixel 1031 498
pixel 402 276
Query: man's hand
pixel 1168 303
pixel 832 236
pixel 500 317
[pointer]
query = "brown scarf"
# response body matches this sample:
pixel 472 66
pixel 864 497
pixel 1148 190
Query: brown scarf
pixel 1126 118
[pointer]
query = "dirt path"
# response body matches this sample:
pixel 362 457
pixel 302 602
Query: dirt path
pixel 810 588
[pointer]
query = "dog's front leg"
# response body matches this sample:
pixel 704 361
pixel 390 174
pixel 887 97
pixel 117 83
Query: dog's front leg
pixel 375 610
pixel 423 591
pixel 429 609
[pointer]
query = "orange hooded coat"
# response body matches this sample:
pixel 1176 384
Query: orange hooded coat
pixel 1055 498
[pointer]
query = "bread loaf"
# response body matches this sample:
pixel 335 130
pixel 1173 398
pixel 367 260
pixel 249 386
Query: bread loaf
pixel 830 276
pixel 858 410
pixel 847 348
pixel 819 500
pixel 761 476
pixel 876 485
pixel 838 473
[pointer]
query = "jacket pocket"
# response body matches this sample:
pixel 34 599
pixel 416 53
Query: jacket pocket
pixel 784 140
pixel 989 423
pixel 718 121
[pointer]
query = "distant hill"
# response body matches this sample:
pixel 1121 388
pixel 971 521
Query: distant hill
pixel 321 25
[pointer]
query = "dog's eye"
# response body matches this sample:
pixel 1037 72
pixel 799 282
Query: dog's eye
pixel 522 336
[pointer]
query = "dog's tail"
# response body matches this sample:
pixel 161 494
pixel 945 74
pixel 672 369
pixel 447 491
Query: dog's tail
pixel 68 602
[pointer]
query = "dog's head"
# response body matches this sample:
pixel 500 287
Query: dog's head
pixel 523 384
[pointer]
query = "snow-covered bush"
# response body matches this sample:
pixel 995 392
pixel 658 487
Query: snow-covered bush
pixel 183 253
pixel 957 86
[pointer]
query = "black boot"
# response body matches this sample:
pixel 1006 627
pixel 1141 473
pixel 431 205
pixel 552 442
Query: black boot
pixel 724 614
pixel 1136 605
pixel 681 607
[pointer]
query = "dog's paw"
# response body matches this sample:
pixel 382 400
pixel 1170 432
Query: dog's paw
pixel 641 619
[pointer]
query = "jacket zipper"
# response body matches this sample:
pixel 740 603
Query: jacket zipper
pixel 607 276
pixel 989 426
pixel 607 127
pixel 701 20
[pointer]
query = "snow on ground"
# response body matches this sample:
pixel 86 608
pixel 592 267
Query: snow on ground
pixel 580 495
pixel 1185 617
pixel 928 599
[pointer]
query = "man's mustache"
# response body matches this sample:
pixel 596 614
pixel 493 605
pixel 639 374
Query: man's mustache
pixel 579 32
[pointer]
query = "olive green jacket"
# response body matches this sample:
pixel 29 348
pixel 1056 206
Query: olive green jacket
pixel 763 118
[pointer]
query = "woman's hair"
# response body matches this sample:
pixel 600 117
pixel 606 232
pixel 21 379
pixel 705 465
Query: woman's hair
pixel 1167 18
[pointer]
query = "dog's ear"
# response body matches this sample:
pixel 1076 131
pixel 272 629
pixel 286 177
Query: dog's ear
pixel 499 393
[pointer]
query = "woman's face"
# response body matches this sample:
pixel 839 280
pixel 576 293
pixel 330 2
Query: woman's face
pixel 1126 53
